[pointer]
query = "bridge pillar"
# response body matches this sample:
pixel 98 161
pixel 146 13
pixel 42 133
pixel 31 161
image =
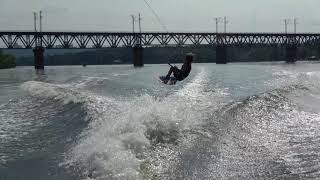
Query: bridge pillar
pixel 38 57
pixel 221 54
pixel 291 53
pixel 138 56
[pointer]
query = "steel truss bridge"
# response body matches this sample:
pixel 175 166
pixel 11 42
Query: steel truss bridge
pixel 113 40
pixel 38 41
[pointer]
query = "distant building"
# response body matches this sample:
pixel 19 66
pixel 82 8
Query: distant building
pixel 313 58
pixel 117 61
pixel 16 45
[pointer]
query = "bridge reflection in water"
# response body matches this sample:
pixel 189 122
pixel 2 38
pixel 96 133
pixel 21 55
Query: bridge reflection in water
pixel 39 41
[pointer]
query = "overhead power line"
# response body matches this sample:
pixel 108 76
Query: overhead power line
pixel 156 15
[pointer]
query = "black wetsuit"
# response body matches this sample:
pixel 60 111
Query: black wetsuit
pixel 180 74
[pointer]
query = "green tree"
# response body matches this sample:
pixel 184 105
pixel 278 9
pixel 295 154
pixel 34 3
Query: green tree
pixel 7 61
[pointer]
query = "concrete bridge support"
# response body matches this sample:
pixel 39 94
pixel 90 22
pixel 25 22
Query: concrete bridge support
pixel 291 53
pixel 318 49
pixel 221 54
pixel 138 56
pixel 38 57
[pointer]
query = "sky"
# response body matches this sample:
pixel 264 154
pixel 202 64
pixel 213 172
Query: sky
pixel 176 15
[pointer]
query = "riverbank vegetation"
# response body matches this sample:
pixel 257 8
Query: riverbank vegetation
pixel 163 55
pixel 7 61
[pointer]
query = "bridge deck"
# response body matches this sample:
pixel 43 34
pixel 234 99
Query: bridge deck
pixel 161 39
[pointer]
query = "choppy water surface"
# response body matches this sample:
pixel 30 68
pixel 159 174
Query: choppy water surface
pixel 235 121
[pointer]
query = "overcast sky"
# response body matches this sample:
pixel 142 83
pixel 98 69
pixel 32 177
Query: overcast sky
pixel 177 15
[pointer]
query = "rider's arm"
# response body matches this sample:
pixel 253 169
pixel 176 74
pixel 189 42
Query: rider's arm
pixel 184 67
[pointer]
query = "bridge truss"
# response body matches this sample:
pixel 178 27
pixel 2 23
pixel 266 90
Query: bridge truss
pixel 66 40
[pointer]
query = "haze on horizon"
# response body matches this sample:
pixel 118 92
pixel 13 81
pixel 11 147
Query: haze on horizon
pixel 177 15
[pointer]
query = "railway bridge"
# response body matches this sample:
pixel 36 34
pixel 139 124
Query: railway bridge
pixel 39 41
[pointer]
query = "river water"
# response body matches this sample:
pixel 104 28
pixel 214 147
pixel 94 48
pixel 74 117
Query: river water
pixel 235 121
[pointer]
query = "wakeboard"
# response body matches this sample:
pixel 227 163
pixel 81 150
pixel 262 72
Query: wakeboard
pixel 170 81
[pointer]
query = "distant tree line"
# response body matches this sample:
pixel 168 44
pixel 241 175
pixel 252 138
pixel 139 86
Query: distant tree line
pixel 7 61
pixel 160 55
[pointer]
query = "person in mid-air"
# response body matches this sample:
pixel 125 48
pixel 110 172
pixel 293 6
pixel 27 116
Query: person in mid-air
pixel 180 74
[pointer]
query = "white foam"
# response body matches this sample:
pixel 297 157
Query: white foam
pixel 285 78
pixel 120 134
pixel 51 91
pixel 268 128
pixel 86 81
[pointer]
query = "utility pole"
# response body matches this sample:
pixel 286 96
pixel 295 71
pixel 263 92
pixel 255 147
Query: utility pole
pixel 286 22
pixel 217 19
pixel 133 20
pixel 140 28
pixel 35 21
pixel 140 23
pixel 225 21
pixel 295 21
pixel 40 17
pixel 217 23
